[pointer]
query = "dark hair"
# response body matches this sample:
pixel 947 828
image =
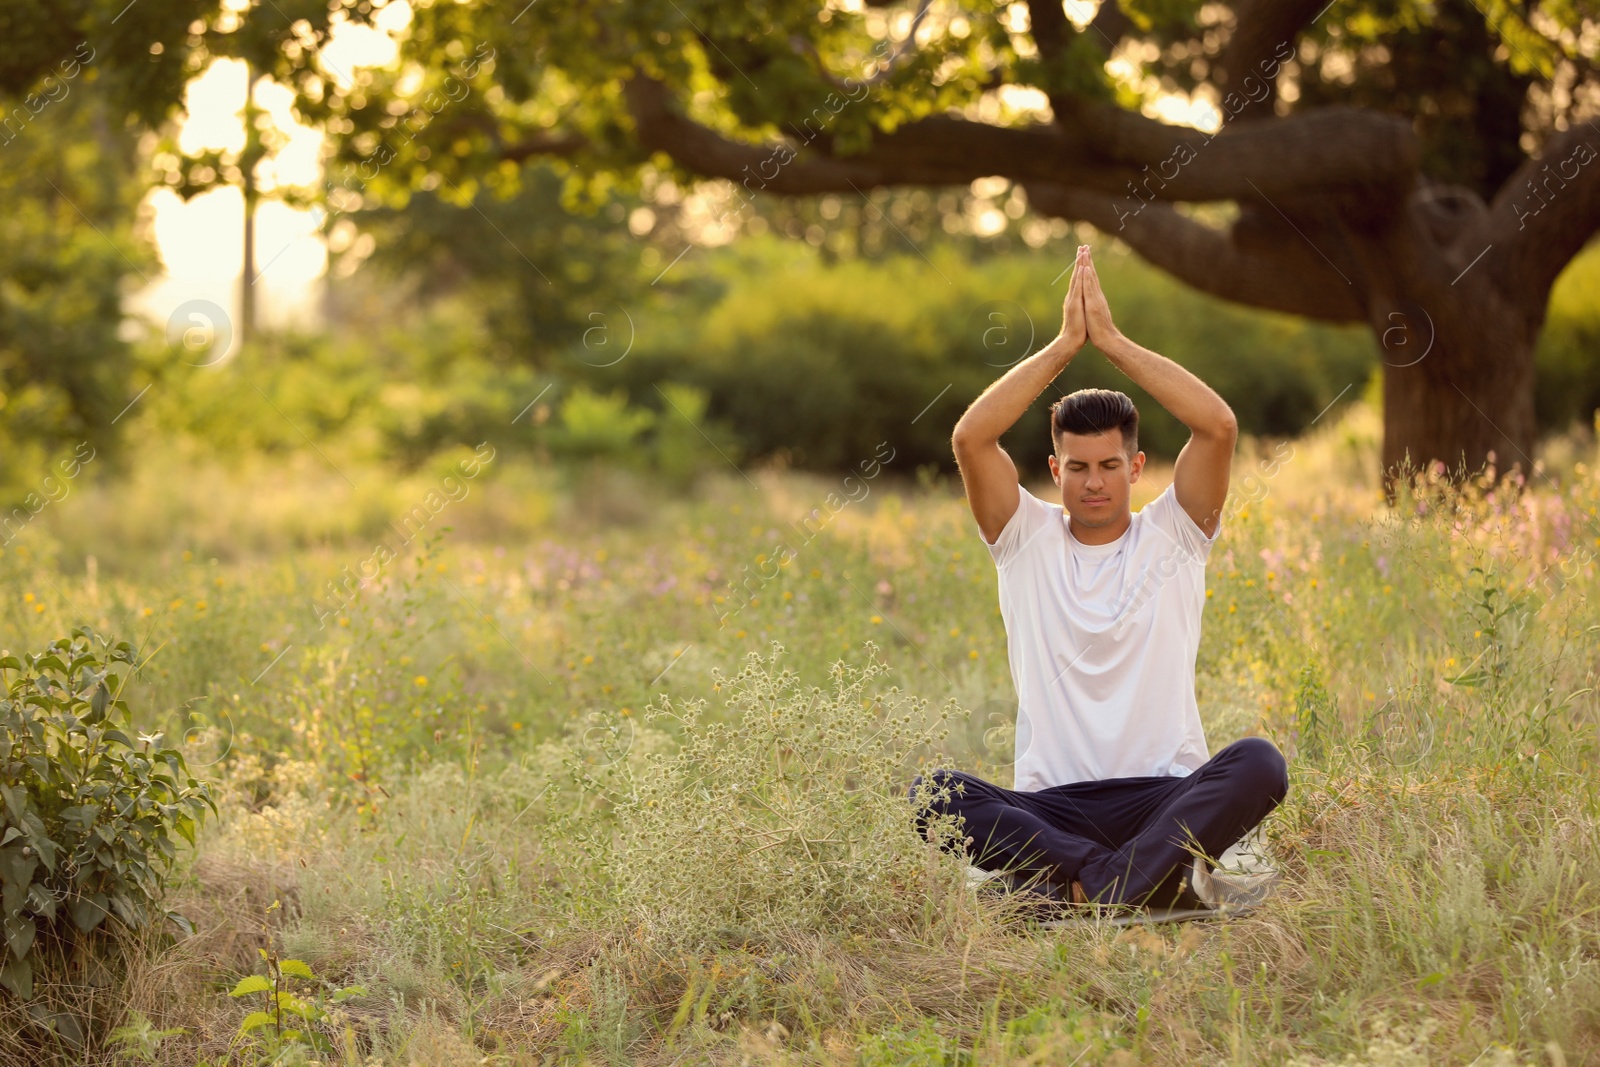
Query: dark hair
pixel 1095 411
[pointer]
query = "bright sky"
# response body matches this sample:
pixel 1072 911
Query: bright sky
pixel 202 242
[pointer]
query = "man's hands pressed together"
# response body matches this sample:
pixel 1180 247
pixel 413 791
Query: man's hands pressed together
pixel 1074 323
pixel 1101 330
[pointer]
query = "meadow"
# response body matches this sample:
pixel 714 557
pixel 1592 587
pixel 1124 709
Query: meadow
pixel 525 768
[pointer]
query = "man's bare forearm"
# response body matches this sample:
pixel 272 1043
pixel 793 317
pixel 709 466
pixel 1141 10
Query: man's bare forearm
pixel 999 407
pixel 1190 400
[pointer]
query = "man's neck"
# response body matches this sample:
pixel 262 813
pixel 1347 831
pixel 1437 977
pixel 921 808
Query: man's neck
pixel 1100 535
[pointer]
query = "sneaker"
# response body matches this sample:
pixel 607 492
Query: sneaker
pixel 1227 890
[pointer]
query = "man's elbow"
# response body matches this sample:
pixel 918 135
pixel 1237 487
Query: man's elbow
pixel 1225 427
pixel 964 439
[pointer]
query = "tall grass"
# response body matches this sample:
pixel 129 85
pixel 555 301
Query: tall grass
pixel 526 791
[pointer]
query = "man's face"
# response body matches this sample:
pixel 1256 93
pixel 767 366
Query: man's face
pixel 1095 476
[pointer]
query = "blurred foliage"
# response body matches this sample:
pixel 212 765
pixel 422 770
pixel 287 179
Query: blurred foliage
pixel 823 363
pixel 765 351
pixel 67 250
pixel 1568 386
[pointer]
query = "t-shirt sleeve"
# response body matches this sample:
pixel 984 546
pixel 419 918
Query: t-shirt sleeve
pixel 1024 525
pixel 1169 516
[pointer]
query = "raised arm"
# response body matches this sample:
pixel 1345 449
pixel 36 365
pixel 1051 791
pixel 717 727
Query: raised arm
pixel 1200 476
pixel 986 470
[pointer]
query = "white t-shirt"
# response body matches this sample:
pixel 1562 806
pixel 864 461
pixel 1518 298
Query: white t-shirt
pixel 1102 641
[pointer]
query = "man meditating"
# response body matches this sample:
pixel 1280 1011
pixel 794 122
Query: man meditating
pixel 1114 794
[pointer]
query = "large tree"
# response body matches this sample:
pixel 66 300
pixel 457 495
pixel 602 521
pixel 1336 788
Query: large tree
pixel 1425 168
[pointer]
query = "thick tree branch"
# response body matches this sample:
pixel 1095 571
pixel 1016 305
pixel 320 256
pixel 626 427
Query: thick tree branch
pixel 1547 211
pixel 1105 149
pixel 1264 33
pixel 1285 277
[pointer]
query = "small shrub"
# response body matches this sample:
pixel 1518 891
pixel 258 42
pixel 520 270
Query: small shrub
pixel 89 804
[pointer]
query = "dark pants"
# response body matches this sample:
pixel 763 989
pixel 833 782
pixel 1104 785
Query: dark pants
pixel 1123 839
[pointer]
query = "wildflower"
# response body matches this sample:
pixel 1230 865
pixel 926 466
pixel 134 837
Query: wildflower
pixel 200 605
pixel 588 660
pixel 877 619
pixel 1208 593
pixel 38 609
pixel 421 681
pixel 149 612
pixel 1233 608
pixel 516 726
pixel 27 598
pixel 955 631
pixel 187 555
pixel 973 654
pixel 815 573
pixel 787 595
pixel 344 621
pixel 176 604
pixel 441 568
pixel 1388 589
pixel 739 634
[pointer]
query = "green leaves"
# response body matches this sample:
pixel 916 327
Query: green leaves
pixel 253 983
pixel 267 1028
pixel 87 818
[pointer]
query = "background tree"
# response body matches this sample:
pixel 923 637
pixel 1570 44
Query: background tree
pixel 1424 168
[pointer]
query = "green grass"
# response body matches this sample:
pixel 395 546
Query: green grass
pixel 516 788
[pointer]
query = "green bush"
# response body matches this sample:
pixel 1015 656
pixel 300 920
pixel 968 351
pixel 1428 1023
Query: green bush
pixel 821 363
pixel 90 805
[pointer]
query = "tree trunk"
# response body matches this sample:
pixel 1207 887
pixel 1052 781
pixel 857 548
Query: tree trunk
pixel 1466 401
pixel 1457 351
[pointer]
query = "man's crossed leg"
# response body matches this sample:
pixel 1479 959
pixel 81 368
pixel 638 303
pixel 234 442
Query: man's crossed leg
pixel 1124 840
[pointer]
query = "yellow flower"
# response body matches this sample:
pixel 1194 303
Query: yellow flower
pixel 441 568
pixel 187 555
pixel 1209 594
pixel 739 634
pixel 815 573
pixel 972 654
pixel 1271 575
pixel 600 556
pixel 955 631
pixel 588 660
pixel 343 621
pixel 27 598
pixel 149 612
pixel 421 680
pixel 200 605
pixel 516 726
pixel 38 609
pixel 1233 609
pixel 176 604
pixel 877 619
pixel 606 688
pixel 788 595
pixel 1388 589
pixel 1451 662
